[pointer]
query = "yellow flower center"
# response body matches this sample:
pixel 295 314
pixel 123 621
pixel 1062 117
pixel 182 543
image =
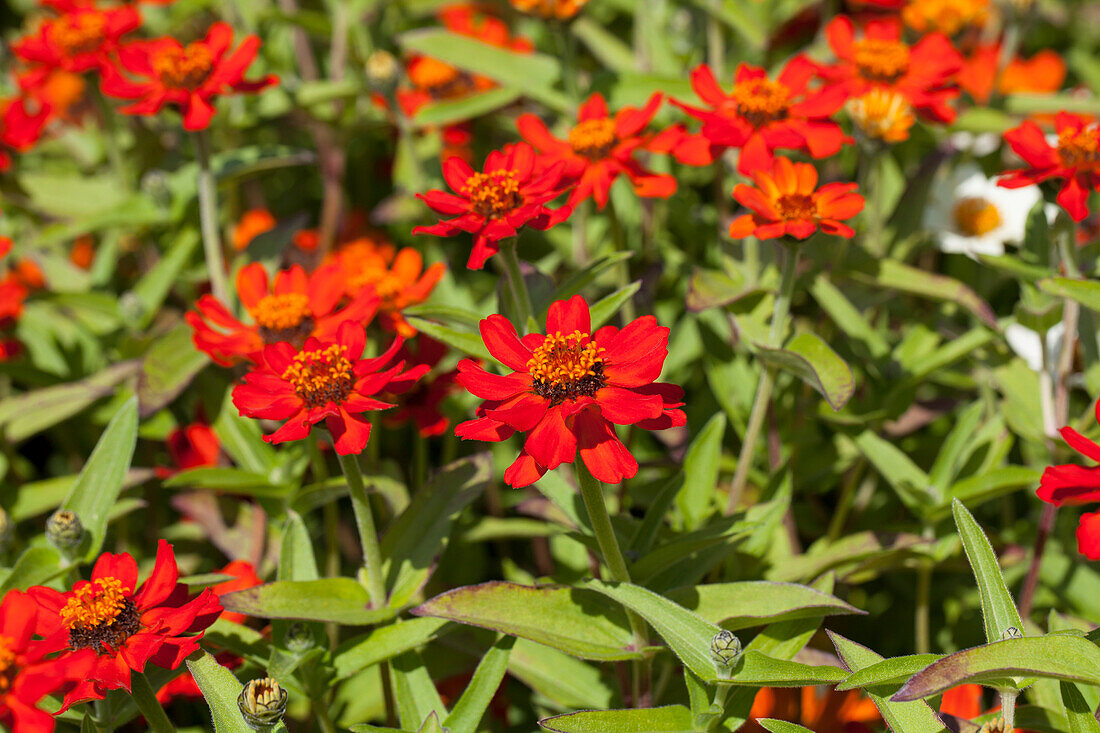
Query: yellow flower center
pixel 7 663
pixel 882 114
pixel 881 60
pixel 388 288
pixel 593 139
pixel 946 16
pixel 184 68
pixel 440 80
pixel 975 216
pixel 100 615
pixel 284 317
pixel 566 367
pixel 761 100
pixel 493 195
pixel 796 206
pixel 321 376
pixel 1080 149
pixel 78 32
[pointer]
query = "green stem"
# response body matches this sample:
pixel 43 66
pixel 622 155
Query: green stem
pixel 324 720
pixel 516 285
pixel 208 220
pixel 568 60
pixel 146 700
pixel 618 237
pixel 368 535
pixel 922 611
pixel 766 384
pixel 592 493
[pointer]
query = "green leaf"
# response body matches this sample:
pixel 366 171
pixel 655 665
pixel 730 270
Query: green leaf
pixel 243 440
pixel 898 276
pixel 36 566
pixel 153 287
pixel 988 485
pixel 667 719
pixel 911 717
pixel 465 108
pixel 847 316
pixel 913 486
pixel 607 47
pixel 1057 656
pixel 811 360
pixel 701 464
pixel 69 196
pixel 470 708
pixel 781 726
pixel 756 669
pixel 889 671
pixel 466 342
pixel 221 690
pixel 603 309
pixel 338 600
pixel 576 621
pixel 96 490
pixel 32 412
pixel 1078 715
pixel 998 609
pixel 716 288
pixel 1085 292
pixel 565 680
pixel 584 277
pixel 385 642
pixel 296 558
pixel 414 691
pixel 233 164
pixel 686 634
pixel 415 540
pixel 747 604
pixel 167 368
pixel 231 480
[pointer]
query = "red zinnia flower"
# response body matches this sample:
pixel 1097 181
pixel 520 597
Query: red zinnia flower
pixel 511 192
pixel 785 202
pixel 1043 73
pixel 568 388
pixel 81 39
pixel 25 676
pixel 761 115
pixel 1071 484
pixel 325 380
pixel 188 76
pixel 601 148
pixel 20 128
pixel 294 307
pixel 399 285
pixel 1075 157
pixel 126 626
pixel 192 446
pixel 880 59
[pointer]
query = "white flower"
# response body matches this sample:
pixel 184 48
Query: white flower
pixel 1025 343
pixel 978 144
pixel 970 214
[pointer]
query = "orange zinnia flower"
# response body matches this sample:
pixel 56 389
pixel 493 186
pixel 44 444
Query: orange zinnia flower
pixel 946 16
pixel 882 114
pixel 81 39
pixel 831 712
pixel 786 201
pixel 399 286
pixel 1043 73
pixel 560 9
pixel 253 223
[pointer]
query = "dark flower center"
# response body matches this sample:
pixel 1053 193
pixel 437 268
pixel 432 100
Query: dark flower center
pixel 566 367
pixel 593 139
pixel 285 317
pixel 78 32
pixel 101 616
pixel 761 101
pixel 1080 149
pixel 7 664
pixel 321 375
pixel 184 68
pixel 492 195
pixel 881 60
pixel 796 206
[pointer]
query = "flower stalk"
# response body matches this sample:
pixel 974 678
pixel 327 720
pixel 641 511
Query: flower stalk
pixel 515 287
pixel 145 697
pixel 208 219
pixel 368 534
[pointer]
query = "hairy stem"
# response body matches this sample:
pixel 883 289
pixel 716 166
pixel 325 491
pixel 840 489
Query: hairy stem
pixel 208 220
pixel 368 535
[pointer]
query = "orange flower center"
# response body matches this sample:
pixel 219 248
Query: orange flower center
pixel 946 16
pixel 321 376
pixel 285 317
pixel 388 288
pixel 882 114
pixel 975 216
pixel 566 367
pixel 184 68
pixel 593 139
pixel 560 9
pixel 101 616
pixel 78 32
pixel 881 60
pixel 795 206
pixel 761 100
pixel 7 663
pixel 1080 149
pixel 493 195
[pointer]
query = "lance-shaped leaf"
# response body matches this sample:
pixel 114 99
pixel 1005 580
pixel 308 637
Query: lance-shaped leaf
pixel 1085 292
pixel 714 288
pixel 895 670
pixel 998 610
pixel 385 642
pixel 701 463
pixel 667 719
pixel 471 707
pixel 575 621
pixel 336 600
pixel 1058 656
pixel 750 603
pixel 35 566
pixel 465 108
pixel 1079 717
pixel 911 717
pixel 756 669
pixel 221 689
pixel 811 360
pixel 781 726
pixel 899 276
pixel 566 680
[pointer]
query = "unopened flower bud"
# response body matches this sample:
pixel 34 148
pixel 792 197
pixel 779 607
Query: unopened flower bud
pixel 7 528
pixel 299 638
pixel 382 72
pixel 262 703
pixel 1011 633
pixel 64 530
pixel 725 648
pixel 997 725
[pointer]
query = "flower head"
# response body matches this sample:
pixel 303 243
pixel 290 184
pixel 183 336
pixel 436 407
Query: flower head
pixel 559 9
pixel 80 39
pixel 291 308
pixel 510 192
pixel 760 114
pixel 397 285
pixel 921 72
pixel 325 380
pixel 1043 73
pixel 600 148
pixel 1074 158
pixel 165 71
pixel 972 215
pixel 191 446
pixel 946 16
pixel 882 114
pixel 568 389
pixel 786 201
pixel 253 223
pixel 22 122
pixel 1073 484
pixel 123 625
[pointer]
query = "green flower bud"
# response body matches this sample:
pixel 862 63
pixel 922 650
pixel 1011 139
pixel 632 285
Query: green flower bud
pixel 299 638
pixel 262 703
pixel 725 648
pixel 382 72
pixel 64 530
